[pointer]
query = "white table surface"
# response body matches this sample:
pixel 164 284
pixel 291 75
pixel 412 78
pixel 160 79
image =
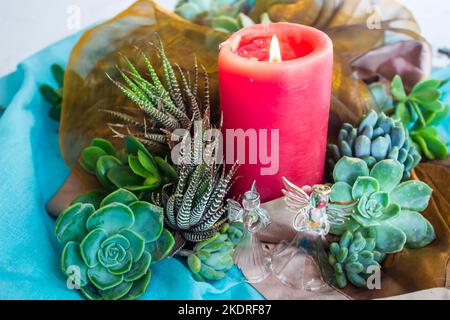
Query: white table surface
pixel 27 26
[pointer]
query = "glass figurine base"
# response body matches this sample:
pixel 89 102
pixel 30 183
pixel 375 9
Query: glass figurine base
pixel 293 263
pixel 251 259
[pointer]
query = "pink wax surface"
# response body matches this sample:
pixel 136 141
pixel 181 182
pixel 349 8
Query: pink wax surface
pixel 259 48
pixel 292 96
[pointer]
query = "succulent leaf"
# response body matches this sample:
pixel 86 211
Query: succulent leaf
pixel 160 248
pixel 139 286
pixel 122 266
pixel 412 224
pixel 117 292
pixel 412 195
pixel 124 177
pixel 349 169
pixel 139 268
pixel 397 88
pixel 105 145
pixel 93 197
pixel 430 143
pixel 388 173
pixel 90 292
pixel 341 192
pixel 102 278
pixel 137 167
pixel 71 224
pixel 54 95
pixel 119 196
pixel 148 220
pixel 389 239
pixel 112 218
pixel 137 243
pixel 429 237
pixel 364 186
pixel 90 156
pixel 166 169
pixel 70 258
pixel 89 246
pixel 104 164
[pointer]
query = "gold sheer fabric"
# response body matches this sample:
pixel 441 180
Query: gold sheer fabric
pixel 357 27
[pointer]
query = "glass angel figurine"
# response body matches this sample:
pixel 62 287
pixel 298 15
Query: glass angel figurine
pixel 302 263
pixel 249 255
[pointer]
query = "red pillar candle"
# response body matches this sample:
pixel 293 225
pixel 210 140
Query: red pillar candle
pixel 285 104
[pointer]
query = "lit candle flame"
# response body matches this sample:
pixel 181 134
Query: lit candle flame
pixel 275 53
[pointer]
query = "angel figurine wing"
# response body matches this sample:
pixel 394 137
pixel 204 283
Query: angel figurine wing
pixel 296 198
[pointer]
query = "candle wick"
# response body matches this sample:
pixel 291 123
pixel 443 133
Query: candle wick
pixel 275 53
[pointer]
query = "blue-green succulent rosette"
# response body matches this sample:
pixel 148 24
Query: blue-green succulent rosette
pixel 353 258
pixel 386 209
pixel 108 250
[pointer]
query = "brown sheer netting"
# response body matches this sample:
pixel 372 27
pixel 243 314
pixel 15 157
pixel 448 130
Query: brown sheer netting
pixel 372 40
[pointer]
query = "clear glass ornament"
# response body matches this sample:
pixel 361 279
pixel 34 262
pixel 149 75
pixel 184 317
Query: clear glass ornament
pixel 249 255
pixel 302 262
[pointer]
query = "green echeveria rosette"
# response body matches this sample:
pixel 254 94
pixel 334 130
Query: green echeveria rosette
pixel 353 259
pixel 385 208
pixel 212 258
pixel 378 137
pixel 108 252
pixel 133 168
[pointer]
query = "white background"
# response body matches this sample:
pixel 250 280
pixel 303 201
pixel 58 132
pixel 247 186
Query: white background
pixel 27 26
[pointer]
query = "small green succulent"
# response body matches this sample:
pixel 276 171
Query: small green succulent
pixel 352 259
pixel 230 24
pixel 222 15
pixel 420 112
pixel 212 258
pixel 385 209
pixel 134 168
pixel 377 137
pixel 108 252
pixel 54 95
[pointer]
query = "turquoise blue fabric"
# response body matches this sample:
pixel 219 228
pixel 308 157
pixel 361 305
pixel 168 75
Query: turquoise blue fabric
pixel 31 171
